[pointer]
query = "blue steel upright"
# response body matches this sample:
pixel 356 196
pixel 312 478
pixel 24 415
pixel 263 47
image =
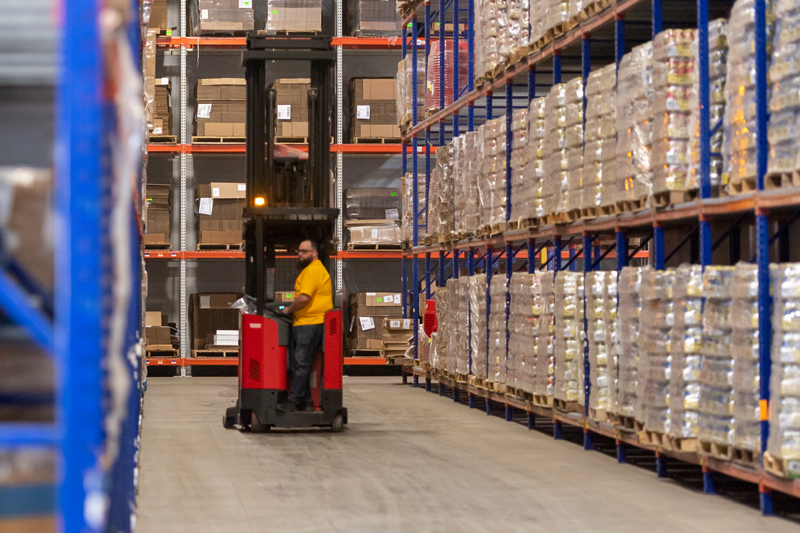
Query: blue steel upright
pixel 456 58
pixel 531 83
pixel 656 17
pixel 470 272
pixel 509 143
pixel 556 267
pixel 587 383
pixel 471 60
pixel 556 67
pixel 489 273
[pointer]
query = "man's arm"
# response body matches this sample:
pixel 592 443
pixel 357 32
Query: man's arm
pixel 300 302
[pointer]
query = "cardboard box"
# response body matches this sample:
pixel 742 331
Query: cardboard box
pixel 284 296
pixel 210 17
pixel 386 234
pixel 285 16
pixel 220 237
pixel 373 18
pixel 221 107
pixel 157 335
pixel 158 15
pixel 222 190
pixel 210 312
pixel 152 318
pixel 366 344
pixel 372 203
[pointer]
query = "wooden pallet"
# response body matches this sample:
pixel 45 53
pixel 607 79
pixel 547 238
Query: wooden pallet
pixel 567 407
pixel 749 458
pixel 461 378
pixel 624 423
pixel 553 219
pixel 160 247
pixel 232 352
pixel 789 469
pixel 376 140
pixel 573 215
pixel 631 206
pixel 430 112
pixel 196 139
pixel 742 187
pixel 594 9
pixel 543 400
pixel 600 415
pixel 723 452
pixel 366 353
pixel 424 365
pixel 607 210
pixel 479 383
pixel 159 139
pixel 654 438
pixel 161 351
pixel 358 247
pixel 667 198
pixel 782 180
pixel 588 213
pixel 689 445
pixel 204 246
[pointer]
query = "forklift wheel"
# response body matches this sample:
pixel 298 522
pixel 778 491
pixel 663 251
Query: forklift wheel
pixel 337 424
pixel 256 426
pixel 227 422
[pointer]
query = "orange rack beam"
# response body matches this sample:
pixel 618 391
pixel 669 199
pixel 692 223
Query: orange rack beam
pixel 239 148
pixel 179 256
pixel 348 43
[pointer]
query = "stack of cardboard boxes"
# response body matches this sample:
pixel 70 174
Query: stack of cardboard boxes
pixel 162 108
pixel 292 103
pixel 221 108
pixel 157 333
pixel 157 214
pixel 373 18
pixel 372 203
pixel 219 218
pixel 373 109
pixel 213 17
pixel 158 15
pixel 294 16
pixel 397 332
pixel 211 313
pixel 367 313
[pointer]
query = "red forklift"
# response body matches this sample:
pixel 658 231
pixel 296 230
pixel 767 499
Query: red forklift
pixel 288 201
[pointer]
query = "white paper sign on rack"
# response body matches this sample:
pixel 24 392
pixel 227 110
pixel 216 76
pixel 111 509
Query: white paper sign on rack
pixel 203 110
pixel 284 112
pixel 367 323
pixel 206 206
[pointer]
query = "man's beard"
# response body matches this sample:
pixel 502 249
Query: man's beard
pixel 303 263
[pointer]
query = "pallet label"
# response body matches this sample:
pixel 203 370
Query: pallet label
pixel 284 112
pixel 206 206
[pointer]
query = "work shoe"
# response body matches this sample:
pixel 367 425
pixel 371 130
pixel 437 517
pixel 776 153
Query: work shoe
pixel 286 406
pixel 308 407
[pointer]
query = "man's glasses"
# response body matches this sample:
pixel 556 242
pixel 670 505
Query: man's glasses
pixel 303 251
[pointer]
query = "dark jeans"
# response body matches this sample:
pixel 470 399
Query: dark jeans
pixel 306 341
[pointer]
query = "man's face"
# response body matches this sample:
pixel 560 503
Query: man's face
pixel 305 255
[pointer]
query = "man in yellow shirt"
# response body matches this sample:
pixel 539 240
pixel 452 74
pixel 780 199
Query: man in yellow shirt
pixel 313 298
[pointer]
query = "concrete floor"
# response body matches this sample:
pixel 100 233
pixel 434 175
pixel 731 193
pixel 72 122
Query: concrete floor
pixel 409 461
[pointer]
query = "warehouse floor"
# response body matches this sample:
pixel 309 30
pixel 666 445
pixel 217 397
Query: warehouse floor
pixel 409 461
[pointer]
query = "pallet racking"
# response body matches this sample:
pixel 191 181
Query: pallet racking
pixel 711 224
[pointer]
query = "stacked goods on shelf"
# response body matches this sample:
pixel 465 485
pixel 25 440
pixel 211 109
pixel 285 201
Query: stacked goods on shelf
pixel 157 333
pixel 783 445
pixel 532 203
pixel 367 313
pixel 489 28
pixel 293 16
pixel 374 233
pixel 226 337
pixel 630 307
pixel 740 136
pixel 717 69
pixel 516 34
pixel 219 219
pixel 440 218
pixel 600 136
pixel 519 189
pixel 162 108
pixel 544 369
pixel 477 324
pixel 397 336
pixel 458 326
pixel 784 105
pixel 372 18
pixel 220 109
pixel 568 334
pixel 441 338
pixel 373 113
pixel 556 160
pixel 674 54
pixel 573 192
pixel 405 98
pixel 292 106
pixel 158 110
pixel 432 79
pixel 687 358
pixel 498 290
pixel 746 369
pixel 407 192
pixel 209 313
pixel 634 127
pixel 372 214
pixel 466 169
pixel 716 376
pixel 601 310
pixel 525 316
pixel 492 177
pixel 656 320
pixel 214 17
pixel 158 15
pixel 157 214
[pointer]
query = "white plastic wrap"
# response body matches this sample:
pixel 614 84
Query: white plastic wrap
pixel 716 376
pixel 600 139
pixel 458 347
pixel 630 307
pixel 441 338
pixel 497 329
pixel 404 89
pixel 407 192
pixel 556 155
pixel 572 194
pixel 466 168
pixel 489 29
pixel 601 311
pixel 492 176
pixel 529 204
pixel 657 318
pixel 519 187
pixel 687 359
pixel 544 370
pixel 477 324
pixel 440 217
pixel 784 103
pixel 523 343
pixel 568 338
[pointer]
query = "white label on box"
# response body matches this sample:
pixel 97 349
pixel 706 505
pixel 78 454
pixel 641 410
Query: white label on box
pixel 392 214
pixel 388 299
pixel 203 110
pixel 366 323
pixel 215 192
pixel 394 324
pixel 371 294
pixel 206 206
pixel 204 14
pixel 156 131
pixel 205 301
pixel 374 234
pixel 242 187
pixel 398 299
pixel 407 323
pixel 284 112
pixel 245 4
pixel 362 112
pixel 164 81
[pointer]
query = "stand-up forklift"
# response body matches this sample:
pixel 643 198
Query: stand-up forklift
pixel 288 200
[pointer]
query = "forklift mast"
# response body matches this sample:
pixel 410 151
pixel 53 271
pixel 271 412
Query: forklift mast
pixel 288 200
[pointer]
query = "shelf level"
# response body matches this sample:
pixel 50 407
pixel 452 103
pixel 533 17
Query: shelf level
pixel 234 43
pixel 239 148
pixel 180 256
pixel 364 361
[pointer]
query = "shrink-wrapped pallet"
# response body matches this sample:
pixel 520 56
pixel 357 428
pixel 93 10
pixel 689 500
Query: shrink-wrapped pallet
pixel 652 406
pixel 569 332
pixel 630 307
pixel 498 365
pixel 405 96
pixel 600 138
pixel 466 169
pixel 544 369
pixel 516 36
pixel 492 176
pixel 407 192
pixel 784 105
pixel 716 376
pixel 744 348
pixel 489 32
pixel 540 10
pixel 601 311
pixel 440 217
pixel 740 143
pixel 784 413
pixel 477 324
pixel 432 77
pixel 373 18
pixel 458 346
pixel 634 124
pixel 520 200
pixel 533 174
pixel 523 325
pixel 572 194
pixel 687 359
pixel 557 15
pixel 556 155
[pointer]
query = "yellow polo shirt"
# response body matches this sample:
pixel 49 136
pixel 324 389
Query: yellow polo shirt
pixel 314 282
